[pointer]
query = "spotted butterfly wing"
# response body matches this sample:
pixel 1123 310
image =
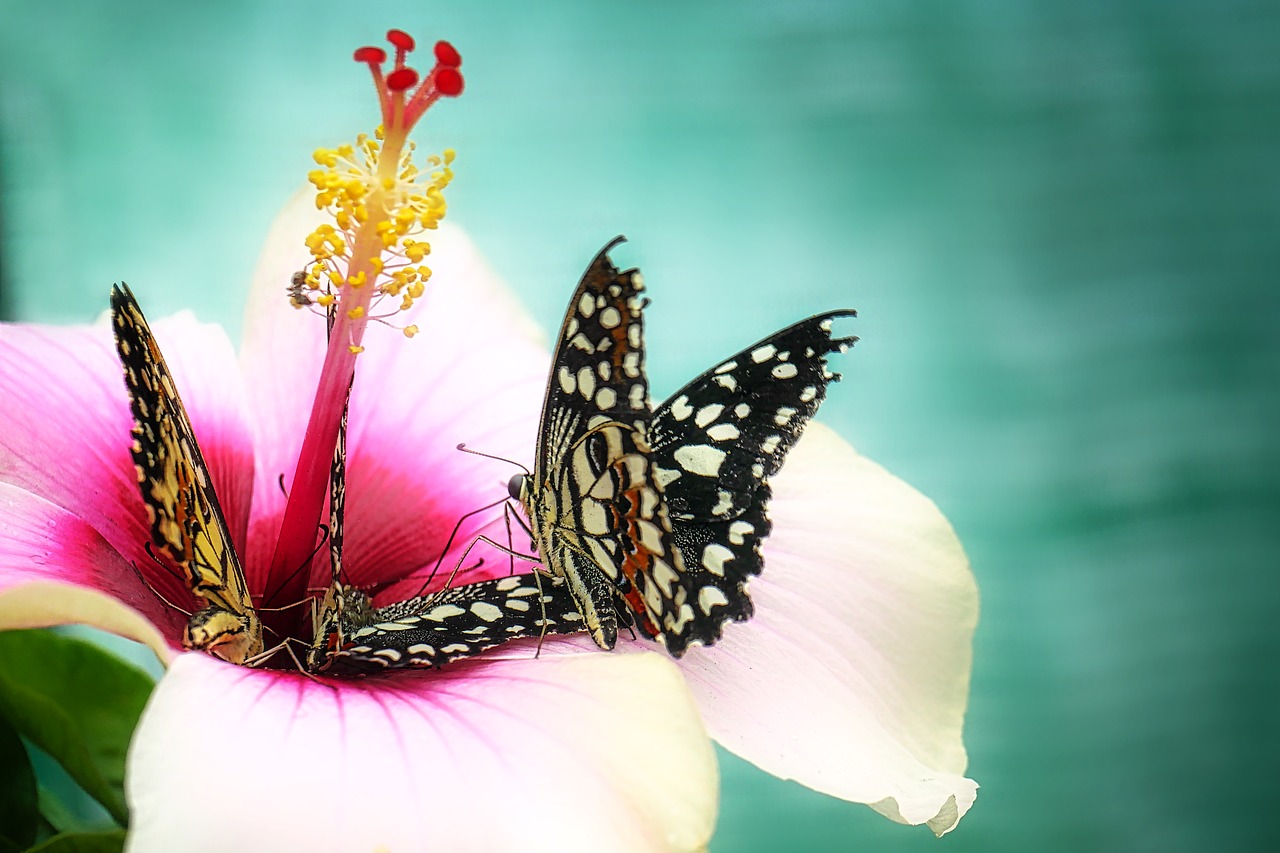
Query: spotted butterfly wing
pixel 597 516
pixel 715 443
pixel 454 623
pixel 187 524
pixel 353 638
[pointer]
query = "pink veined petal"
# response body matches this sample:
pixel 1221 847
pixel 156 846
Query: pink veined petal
pixel 580 752
pixel 55 570
pixel 853 675
pixel 474 374
pixel 65 430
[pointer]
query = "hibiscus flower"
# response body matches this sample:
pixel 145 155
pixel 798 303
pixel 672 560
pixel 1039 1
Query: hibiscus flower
pixel 852 677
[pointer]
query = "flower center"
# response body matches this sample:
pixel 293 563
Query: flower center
pixel 366 264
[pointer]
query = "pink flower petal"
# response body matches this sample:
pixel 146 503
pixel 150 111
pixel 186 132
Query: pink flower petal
pixel 65 426
pixel 55 570
pixel 574 752
pixel 853 676
pixel 475 373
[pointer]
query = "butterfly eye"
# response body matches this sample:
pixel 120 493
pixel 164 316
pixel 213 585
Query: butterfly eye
pixel 516 485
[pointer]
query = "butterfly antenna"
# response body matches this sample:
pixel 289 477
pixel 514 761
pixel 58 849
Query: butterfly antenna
pixel 153 590
pixel 449 544
pixel 463 447
pixel 170 570
pixel 280 483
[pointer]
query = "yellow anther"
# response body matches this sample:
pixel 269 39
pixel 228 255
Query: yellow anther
pixel 356 313
pixel 325 157
pixel 325 299
pixel 355 350
pixel 410 331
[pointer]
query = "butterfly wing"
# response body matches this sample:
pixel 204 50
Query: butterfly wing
pixel 454 623
pixel 597 515
pixel 187 524
pixel 715 443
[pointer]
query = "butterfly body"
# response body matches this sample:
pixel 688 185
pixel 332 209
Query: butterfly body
pixel 186 520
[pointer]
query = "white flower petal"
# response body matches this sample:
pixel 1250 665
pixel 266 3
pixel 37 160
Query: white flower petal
pixel 853 676
pixel 572 752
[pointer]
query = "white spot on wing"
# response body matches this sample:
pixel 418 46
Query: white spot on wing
pixel 770 444
pixel 723 432
pixel 606 398
pixel 707 414
pixel 786 370
pixel 610 318
pixel 587 305
pixel 714 556
pixel 443 612
pixel 726 367
pixel 738 530
pixel 587 382
pixel 763 354
pixel 700 459
pixel 709 597
pixel 680 408
pixel 567 384
pixel 486 611
pixel 665 476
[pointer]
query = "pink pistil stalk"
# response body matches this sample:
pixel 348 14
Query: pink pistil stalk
pixel 383 211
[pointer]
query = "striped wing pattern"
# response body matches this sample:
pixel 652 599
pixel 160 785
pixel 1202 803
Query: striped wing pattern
pixel 187 523
pixel 597 514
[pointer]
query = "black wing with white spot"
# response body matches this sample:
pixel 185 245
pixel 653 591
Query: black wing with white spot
pixel 597 517
pixel 455 623
pixel 715 443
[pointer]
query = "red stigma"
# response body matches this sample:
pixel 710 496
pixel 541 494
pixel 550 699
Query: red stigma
pixel 400 40
pixel 449 82
pixel 403 93
pixel 402 79
pixel 447 55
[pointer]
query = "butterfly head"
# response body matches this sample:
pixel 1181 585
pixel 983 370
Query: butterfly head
pixel 343 610
pixel 234 637
pixel 518 487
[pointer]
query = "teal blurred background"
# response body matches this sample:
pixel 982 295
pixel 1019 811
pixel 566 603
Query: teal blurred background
pixel 1057 221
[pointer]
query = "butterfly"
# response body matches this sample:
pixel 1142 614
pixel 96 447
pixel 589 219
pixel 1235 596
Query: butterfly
pixel 187 523
pixel 659 515
pixel 353 638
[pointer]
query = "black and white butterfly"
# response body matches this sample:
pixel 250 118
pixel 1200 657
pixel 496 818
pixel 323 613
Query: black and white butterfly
pixel 351 637
pixel 659 515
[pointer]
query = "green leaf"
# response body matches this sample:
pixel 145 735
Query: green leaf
pixel 19 814
pixel 77 703
pixel 110 841
pixel 55 812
